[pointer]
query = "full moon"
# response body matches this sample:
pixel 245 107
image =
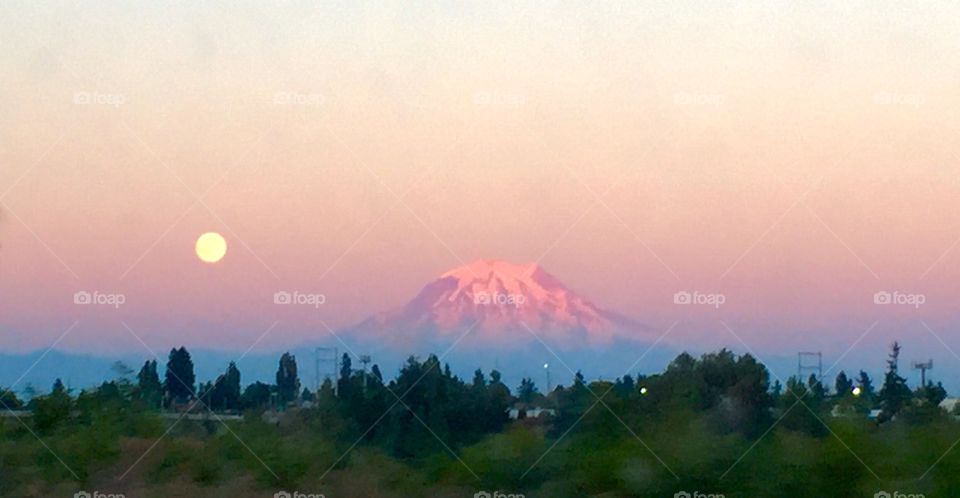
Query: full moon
pixel 211 247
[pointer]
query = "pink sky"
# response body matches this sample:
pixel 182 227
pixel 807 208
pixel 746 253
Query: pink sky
pixel 797 159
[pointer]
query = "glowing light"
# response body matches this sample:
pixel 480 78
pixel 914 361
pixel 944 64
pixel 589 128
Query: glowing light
pixel 643 390
pixel 211 247
pixel 546 365
pixel 856 391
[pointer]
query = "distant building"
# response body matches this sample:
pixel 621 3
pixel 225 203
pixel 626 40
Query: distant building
pixel 950 405
pixel 531 412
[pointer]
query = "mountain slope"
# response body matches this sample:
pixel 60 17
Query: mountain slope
pixel 500 303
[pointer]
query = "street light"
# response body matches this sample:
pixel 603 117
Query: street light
pixel 546 368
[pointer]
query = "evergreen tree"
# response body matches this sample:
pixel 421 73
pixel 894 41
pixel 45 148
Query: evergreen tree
pixel 49 411
pixel 777 389
pixel 288 384
pixel 499 400
pixel 527 392
pixel 625 387
pixel 225 393
pixel 9 400
pixel 478 380
pixel 344 383
pixel 149 389
pixel 894 395
pixel 179 379
pixel 817 391
pixel 800 405
pixel 866 386
pixel 843 385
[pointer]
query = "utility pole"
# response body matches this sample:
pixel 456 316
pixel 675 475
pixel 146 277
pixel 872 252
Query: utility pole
pixel 546 366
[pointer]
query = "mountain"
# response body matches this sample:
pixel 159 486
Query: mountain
pixel 500 304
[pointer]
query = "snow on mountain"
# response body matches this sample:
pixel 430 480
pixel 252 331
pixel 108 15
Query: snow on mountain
pixel 503 303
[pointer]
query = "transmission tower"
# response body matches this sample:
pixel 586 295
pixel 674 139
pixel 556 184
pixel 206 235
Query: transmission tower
pixel 809 363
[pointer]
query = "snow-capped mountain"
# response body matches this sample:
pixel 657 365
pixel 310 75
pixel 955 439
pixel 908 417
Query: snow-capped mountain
pixel 500 303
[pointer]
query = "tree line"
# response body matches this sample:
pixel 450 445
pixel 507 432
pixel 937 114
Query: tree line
pixel 736 391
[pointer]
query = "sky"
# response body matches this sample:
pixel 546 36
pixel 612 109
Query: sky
pixel 795 157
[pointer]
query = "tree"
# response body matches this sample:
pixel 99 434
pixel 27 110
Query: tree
pixel 843 385
pixel 288 384
pixel 499 400
pixel 777 389
pixel 926 405
pixel 345 381
pixel 255 396
pixel 225 392
pixel 799 405
pixel 817 391
pixel 149 389
pixel 179 379
pixel 527 392
pixel 866 386
pixel 894 394
pixel 8 400
pixel 624 387
pixel 50 410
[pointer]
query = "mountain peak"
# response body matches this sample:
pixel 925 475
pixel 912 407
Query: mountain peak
pixel 504 302
pixel 484 267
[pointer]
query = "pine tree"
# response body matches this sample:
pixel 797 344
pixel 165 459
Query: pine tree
pixel 843 385
pixel 894 395
pixel 179 382
pixel 225 394
pixel 149 389
pixel 527 392
pixel 866 386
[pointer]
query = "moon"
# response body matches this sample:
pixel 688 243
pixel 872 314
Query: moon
pixel 211 247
